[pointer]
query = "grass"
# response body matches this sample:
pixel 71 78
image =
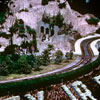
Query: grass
pixel 44 69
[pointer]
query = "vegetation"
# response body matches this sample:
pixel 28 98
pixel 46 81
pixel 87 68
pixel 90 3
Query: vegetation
pixel 98 30
pixel 92 21
pixel 2 18
pixel 20 29
pixel 62 5
pixel 50 47
pixel 23 66
pixel 45 2
pixel 69 55
pixel 44 81
pixel 46 57
pixel 23 10
pixel 34 41
pixel 13 63
pixel 57 20
pixel 58 57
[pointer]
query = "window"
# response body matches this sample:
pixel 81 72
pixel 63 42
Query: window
pixel 47 31
pixel 52 32
pixel 42 29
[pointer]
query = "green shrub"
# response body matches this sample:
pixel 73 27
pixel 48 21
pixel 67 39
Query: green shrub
pixel 38 63
pixel 98 30
pixel 69 55
pixel 62 5
pixel 44 2
pixel 10 49
pixel 57 20
pixel 30 5
pixel 3 69
pixel 46 57
pixel 92 21
pixel 50 47
pixel 34 41
pixel 24 67
pixel 45 18
pixel 58 57
pixel 47 80
pixel 2 18
pixel 31 60
pixel 23 10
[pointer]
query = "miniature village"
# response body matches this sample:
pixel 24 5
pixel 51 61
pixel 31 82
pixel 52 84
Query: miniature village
pixel 48 51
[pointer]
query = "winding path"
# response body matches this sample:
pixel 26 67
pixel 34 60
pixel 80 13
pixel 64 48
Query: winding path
pixel 87 56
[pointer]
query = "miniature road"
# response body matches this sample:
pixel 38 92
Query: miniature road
pixel 86 57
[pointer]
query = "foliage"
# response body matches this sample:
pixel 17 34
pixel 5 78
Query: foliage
pixel 44 2
pixel 33 33
pixel 59 20
pixel 23 10
pixel 98 30
pixel 56 20
pixel 69 55
pixel 24 67
pixel 93 21
pixel 47 80
pixel 58 57
pixel 50 47
pixel 4 35
pixel 10 49
pixel 45 18
pixel 31 60
pixel 6 65
pixel 62 5
pixel 46 57
pixel 38 62
pixel 3 69
pixel 2 18
pixel 30 5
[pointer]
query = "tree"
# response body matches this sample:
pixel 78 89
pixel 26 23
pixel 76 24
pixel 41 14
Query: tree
pixel 46 57
pixel 58 57
pixel 6 65
pixel 38 62
pixel 98 30
pixel 12 31
pixel 69 55
pixel 50 47
pixel 2 18
pixel 45 18
pixel 59 20
pixel 3 69
pixel 33 33
pixel 23 66
pixel 10 49
pixel 62 5
pixel 44 2
pixel 31 60
pixel 92 21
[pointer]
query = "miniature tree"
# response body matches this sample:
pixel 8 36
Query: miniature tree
pixel 58 57
pixel 44 2
pixel 59 20
pixel 46 57
pixel 92 21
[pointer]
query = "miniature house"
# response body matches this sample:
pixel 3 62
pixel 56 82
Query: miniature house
pixel 44 29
